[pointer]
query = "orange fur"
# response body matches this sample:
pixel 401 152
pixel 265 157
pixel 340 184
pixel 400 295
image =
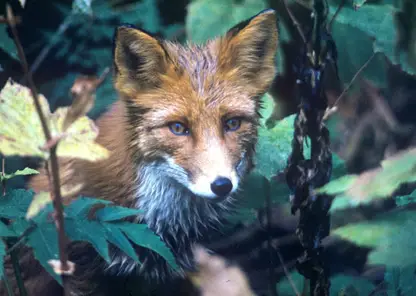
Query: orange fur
pixel 201 87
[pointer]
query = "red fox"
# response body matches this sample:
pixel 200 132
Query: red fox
pixel 182 136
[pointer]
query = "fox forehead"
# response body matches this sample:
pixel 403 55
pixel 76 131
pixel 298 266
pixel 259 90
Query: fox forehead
pixel 196 89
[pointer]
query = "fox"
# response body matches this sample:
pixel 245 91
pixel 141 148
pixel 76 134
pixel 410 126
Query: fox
pixel 181 136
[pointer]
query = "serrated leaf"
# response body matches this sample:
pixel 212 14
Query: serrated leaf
pixel 99 232
pixel 141 235
pixel 21 133
pixel 24 172
pixel 2 254
pixel 38 203
pixel 43 240
pixel 80 229
pixel 82 205
pixel 113 213
pixel 117 238
pixel 15 203
pixel 391 235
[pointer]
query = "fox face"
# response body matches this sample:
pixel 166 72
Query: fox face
pixel 194 109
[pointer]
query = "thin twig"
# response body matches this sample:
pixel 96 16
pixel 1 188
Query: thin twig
pixel 287 274
pixel 333 109
pixel 7 285
pixel 21 239
pixel 56 194
pixel 341 5
pixel 3 174
pixel 381 106
pixel 58 34
pixel 272 281
pixel 295 22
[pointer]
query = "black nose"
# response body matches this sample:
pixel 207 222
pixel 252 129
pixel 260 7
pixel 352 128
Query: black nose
pixel 221 186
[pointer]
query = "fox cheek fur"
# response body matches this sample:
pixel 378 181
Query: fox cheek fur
pixel 182 136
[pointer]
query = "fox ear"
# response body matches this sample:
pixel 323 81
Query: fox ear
pixel 248 50
pixel 139 58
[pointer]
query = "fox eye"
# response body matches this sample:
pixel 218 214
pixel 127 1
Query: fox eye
pixel 232 124
pixel 178 129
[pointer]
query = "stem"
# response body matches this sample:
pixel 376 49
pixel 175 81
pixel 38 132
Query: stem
pixel 17 272
pixel 56 194
pixel 7 285
pixel 272 282
pixel 333 109
pixel 295 22
pixel 3 172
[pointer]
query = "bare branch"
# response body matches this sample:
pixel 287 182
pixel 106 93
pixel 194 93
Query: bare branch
pixel 333 109
pixel 56 193
pixel 295 22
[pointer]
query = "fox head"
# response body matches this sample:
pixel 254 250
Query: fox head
pixel 194 109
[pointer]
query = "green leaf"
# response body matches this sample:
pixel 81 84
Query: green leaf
pixel 141 235
pixel 376 21
pixel 399 279
pixel 337 186
pixel 277 139
pixel 6 231
pixel 2 254
pixel 43 239
pixel 38 203
pixel 21 132
pixel 117 238
pixel 113 213
pixel 354 190
pixel 406 199
pixel 104 228
pixel 344 284
pixel 207 19
pixel 80 229
pixel 24 172
pixel 391 235
pixel 16 203
pixel 82 205
pixel 7 43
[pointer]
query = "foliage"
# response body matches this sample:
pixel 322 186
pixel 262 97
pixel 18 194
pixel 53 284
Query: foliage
pixel 390 235
pixel 400 280
pixel 208 19
pixel 341 285
pixel 21 131
pixel 353 190
pixel 24 172
pixel 404 200
pixel 107 226
pixel 376 21
pixel 277 138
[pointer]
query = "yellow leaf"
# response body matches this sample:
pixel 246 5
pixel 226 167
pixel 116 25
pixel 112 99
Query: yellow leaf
pixel 21 132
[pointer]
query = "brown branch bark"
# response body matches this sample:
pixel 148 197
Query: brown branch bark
pixel 56 194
